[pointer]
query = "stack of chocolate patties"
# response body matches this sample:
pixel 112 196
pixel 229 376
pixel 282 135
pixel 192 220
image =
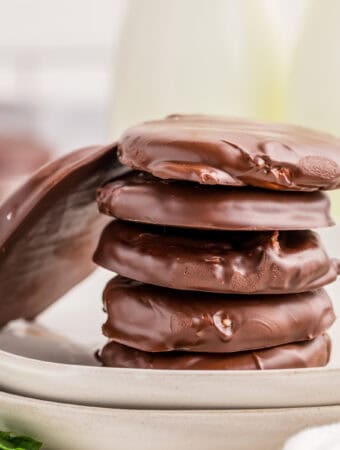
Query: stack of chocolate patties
pixel 218 268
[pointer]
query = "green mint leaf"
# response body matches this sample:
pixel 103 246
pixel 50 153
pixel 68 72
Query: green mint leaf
pixel 10 442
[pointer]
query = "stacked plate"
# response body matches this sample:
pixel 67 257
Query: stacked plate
pixel 53 386
pixel 50 391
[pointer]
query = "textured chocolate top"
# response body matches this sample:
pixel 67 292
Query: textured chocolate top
pixel 143 198
pixel 235 152
pixel 49 229
pixel 216 261
pixel 313 353
pixel 157 319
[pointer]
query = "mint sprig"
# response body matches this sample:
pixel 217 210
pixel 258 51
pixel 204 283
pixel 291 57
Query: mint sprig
pixel 8 441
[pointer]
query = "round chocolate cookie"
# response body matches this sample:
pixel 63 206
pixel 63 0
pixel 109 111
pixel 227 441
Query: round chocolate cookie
pixel 313 353
pixel 49 229
pixel 245 262
pixel 155 319
pixel 142 198
pixel 235 152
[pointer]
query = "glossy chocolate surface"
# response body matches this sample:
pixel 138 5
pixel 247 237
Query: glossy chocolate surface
pixel 235 152
pixel 215 261
pixel 142 198
pixel 49 229
pixel 313 353
pixel 156 319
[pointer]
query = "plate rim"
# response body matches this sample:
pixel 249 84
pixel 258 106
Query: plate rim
pixel 244 373
pixel 167 389
pixel 165 412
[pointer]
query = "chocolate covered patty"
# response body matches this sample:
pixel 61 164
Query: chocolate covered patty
pixel 313 353
pixel 156 319
pixel 215 261
pixel 235 152
pixel 142 198
pixel 49 229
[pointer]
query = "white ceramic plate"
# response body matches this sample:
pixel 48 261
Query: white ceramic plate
pixel 59 351
pixel 70 427
pixel 70 378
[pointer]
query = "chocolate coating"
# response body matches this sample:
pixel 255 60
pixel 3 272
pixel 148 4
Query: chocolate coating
pixel 229 262
pixel 313 353
pixel 156 319
pixel 142 198
pixel 49 229
pixel 235 152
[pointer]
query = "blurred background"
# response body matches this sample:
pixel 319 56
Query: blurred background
pixel 77 72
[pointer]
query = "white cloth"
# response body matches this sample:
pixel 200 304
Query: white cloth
pixel 321 438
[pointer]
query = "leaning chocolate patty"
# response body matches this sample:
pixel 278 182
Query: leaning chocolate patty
pixel 142 198
pixel 156 319
pixel 235 152
pixel 239 262
pixel 49 229
pixel 313 353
